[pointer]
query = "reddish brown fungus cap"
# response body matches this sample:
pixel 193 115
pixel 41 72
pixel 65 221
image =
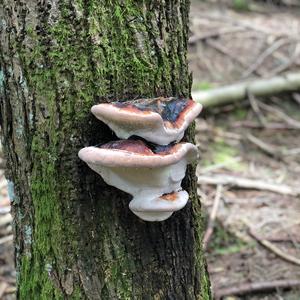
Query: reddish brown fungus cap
pixel 135 153
pixel 159 120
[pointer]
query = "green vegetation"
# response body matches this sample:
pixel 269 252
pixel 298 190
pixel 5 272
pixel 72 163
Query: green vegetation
pixel 224 242
pixel 240 113
pixel 222 153
pixel 241 5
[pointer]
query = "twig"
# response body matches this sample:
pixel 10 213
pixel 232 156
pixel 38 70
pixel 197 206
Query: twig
pixel 291 2
pixel 10 290
pixel 8 280
pixel 282 239
pixel 274 249
pixel 254 105
pixel 227 52
pixel 278 44
pixel 247 25
pixel 294 151
pixel 3 287
pixel 290 121
pixel 195 38
pixel 237 92
pixel 212 217
pixel 274 151
pixel 203 58
pixel 272 126
pixel 6 239
pixel 267 148
pixel 296 97
pixel 286 227
pixel 287 64
pixel 248 184
pixel 253 287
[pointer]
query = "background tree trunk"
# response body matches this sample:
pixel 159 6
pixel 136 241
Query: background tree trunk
pixel 75 236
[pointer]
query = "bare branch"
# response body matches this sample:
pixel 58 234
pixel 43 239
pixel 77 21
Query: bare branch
pixel 289 82
pixel 252 287
pixel 248 184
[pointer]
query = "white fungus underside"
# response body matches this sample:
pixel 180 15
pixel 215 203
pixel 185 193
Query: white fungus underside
pixel 147 185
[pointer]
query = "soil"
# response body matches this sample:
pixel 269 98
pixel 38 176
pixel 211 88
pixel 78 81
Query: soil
pixel 228 46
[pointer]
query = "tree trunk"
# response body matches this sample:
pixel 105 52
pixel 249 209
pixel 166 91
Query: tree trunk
pixel 75 236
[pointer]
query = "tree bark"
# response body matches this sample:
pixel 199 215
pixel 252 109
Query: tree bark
pixel 75 237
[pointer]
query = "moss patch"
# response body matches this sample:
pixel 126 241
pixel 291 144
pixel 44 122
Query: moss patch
pixel 222 153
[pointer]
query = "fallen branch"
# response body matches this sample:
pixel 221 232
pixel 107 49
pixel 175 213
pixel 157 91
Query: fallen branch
pixel 267 148
pixel 254 125
pixel 237 92
pixel 248 184
pixel 274 151
pixel 287 257
pixel 248 25
pixel 281 239
pixel 253 287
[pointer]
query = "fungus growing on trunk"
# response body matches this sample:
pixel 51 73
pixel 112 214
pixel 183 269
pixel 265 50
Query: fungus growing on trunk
pixel 152 175
pixel 166 204
pixel 159 120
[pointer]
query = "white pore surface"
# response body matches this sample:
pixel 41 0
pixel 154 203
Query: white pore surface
pixel 146 185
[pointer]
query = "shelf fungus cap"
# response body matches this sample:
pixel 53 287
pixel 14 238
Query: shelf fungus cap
pixel 136 154
pixel 152 175
pixel 157 120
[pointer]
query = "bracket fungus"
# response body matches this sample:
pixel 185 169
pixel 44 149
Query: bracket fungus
pixel 158 120
pixel 151 174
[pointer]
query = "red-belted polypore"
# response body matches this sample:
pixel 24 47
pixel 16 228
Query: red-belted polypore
pixel 158 120
pixel 151 174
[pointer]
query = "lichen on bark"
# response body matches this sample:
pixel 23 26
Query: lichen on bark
pixel 75 237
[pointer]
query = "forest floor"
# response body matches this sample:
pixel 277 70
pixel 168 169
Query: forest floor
pixel 256 230
pixel 257 140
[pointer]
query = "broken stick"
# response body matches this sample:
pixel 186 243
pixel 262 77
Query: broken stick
pixel 223 179
pixel 212 217
pixel 285 256
pixel 253 287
